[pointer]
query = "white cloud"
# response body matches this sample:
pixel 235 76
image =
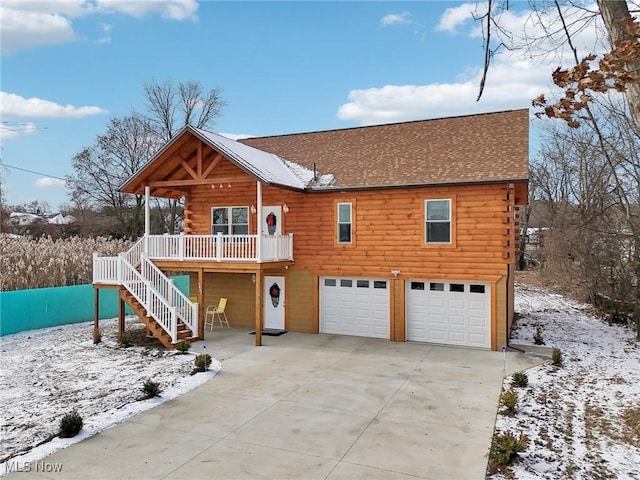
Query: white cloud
pixel 515 77
pixel 15 106
pixel 27 24
pixel 236 136
pixel 396 19
pixel 48 182
pixel 455 17
pixel 105 29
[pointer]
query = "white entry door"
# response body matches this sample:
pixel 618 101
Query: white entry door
pixel 273 301
pixel 271 220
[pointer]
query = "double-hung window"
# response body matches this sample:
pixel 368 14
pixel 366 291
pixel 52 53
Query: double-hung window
pixel 345 222
pixel 438 221
pixel 230 220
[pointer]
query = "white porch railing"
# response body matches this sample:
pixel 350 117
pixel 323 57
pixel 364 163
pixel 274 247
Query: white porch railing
pixel 162 300
pixel 220 247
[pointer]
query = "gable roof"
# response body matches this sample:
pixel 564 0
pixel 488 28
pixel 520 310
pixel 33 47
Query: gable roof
pixel 267 167
pixel 475 148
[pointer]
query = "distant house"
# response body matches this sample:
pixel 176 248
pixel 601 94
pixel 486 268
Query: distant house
pixel 21 219
pixel 405 231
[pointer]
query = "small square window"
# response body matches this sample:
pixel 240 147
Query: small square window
pixel 346 283
pixel 417 285
pixel 329 282
pixel 379 284
pixel 476 288
pixel 436 287
pixel 362 284
pixel 456 287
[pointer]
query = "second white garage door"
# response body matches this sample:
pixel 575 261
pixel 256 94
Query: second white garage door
pixel 354 306
pixel 452 313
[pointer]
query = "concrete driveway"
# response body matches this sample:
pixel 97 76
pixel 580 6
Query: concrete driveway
pixel 312 406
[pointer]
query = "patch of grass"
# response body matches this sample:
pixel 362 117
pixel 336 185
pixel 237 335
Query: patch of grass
pixel 125 339
pixel 631 419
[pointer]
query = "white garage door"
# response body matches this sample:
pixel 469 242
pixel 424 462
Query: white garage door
pixel 354 306
pixel 453 313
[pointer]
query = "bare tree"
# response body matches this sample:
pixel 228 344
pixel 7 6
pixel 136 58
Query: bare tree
pixel 100 169
pixel 170 106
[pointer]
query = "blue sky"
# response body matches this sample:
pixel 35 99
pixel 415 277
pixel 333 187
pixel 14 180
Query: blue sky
pixel 283 67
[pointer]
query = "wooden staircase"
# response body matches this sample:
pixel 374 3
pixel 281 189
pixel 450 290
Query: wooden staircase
pixel 154 327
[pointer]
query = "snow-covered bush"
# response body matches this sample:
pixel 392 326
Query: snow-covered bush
pixel 43 262
pixel 70 425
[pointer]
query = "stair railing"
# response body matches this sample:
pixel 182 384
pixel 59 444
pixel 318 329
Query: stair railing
pixel 151 299
pixel 187 311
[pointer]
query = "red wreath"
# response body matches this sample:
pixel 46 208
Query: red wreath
pixel 271 220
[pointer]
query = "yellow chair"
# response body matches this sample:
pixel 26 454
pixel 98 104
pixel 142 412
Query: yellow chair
pixel 218 311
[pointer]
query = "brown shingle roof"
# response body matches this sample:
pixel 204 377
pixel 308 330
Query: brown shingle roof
pixel 485 147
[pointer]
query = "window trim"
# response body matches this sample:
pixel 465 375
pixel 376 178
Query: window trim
pixel 230 219
pixel 452 223
pixel 337 223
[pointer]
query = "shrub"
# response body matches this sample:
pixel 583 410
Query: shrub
pixel 556 356
pixel 520 379
pixel 125 339
pixel 509 401
pixel 505 448
pixel 203 361
pixel 70 425
pixel 183 346
pixel 97 336
pixel 150 389
pixel 537 336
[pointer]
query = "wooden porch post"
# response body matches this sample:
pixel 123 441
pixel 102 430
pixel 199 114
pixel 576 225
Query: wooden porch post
pixel 259 223
pixel 259 309
pixel 147 216
pixel 201 306
pixel 96 307
pixel 121 316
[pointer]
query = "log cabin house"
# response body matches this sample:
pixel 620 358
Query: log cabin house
pixel 403 231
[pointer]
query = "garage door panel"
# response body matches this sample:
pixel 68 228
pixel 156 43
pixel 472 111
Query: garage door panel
pixel 354 306
pixel 455 313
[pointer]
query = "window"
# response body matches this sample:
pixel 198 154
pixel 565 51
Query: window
pixel 346 283
pixel 379 284
pixel 476 288
pixel 344 222
pixel 436 287
pixel 438 219
pixel 362 283
pixel 230 220
pixel 417 285
pixel 456 287
pixel 329 282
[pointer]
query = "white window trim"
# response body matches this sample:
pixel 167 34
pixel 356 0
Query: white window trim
pixel 230 217
pixel 350 223
pixel 427 222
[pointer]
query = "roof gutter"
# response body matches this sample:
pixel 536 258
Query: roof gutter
pixel 414 185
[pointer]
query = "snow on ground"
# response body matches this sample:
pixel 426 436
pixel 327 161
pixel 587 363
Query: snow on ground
pixel 574 414
pixel 47 373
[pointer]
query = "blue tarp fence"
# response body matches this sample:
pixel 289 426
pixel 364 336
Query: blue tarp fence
pixel 23 310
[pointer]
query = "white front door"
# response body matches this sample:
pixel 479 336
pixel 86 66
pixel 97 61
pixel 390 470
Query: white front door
pixel 271 220
pixel 273 301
